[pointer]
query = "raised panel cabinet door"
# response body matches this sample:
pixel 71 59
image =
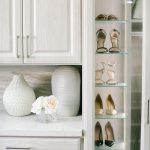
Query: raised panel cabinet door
pixel 39 143
pixel 10 31
pixel 52 31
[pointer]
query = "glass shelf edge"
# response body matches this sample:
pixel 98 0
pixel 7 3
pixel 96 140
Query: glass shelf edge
pixel 111 21
pixel 119 53
pixel 108 85
pixel 117 116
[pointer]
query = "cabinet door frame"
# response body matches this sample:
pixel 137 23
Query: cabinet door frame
pixel 72 55
pixel 14 54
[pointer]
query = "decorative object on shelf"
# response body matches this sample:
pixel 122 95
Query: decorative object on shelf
pixel 111 71
pixel 45 108
pixel 99 73
pixel 98 105
pixel 110 109
pixel 110 139
pixel 98 134
pixel 18 97
pixel 105 17
pixel 66 87
pixel 101 37
pixel 114 36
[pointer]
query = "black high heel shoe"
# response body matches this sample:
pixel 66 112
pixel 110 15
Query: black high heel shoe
pixel 98 135
pixel 109 134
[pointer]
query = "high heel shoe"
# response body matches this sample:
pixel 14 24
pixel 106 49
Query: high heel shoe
pixel 101 37
pixel 112 17
pixel 98 105
pixel 98 134
pixel 102 17
pixel 110 109
pixel 110 139
pixel 114 36
pixel 111 74
pixel 99 74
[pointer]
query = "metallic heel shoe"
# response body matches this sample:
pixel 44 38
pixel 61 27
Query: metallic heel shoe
pixel 99 73
pixel 112 17
pixel 114 36
pixel 111 71
pixel 102 17
pixel 98 105
pixel 101 37
pixel 110 106
pixel 110 139
pixel 98 135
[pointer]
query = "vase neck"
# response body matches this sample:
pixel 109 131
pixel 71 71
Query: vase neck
pixel 18 77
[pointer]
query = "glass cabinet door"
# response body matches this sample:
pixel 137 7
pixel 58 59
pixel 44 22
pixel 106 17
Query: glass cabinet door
pixel 112 74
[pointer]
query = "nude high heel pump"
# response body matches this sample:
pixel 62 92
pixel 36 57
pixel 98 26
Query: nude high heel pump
pixel 98 135
pixel 111 71
pixel 101 37
pixel 110 139
pixel 98 105
pixel 99 73
pixel 114 36
pixel 110 106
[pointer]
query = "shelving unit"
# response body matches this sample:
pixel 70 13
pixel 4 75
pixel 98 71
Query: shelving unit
pixel 120 91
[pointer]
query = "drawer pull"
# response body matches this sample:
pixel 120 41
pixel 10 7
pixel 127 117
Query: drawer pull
pixel 19 148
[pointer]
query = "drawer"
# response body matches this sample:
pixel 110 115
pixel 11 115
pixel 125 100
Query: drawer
pixel 7 143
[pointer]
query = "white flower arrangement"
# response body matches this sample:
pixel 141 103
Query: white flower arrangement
pixel 48 104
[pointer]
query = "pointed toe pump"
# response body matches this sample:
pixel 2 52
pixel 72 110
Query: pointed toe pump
pixel 110 106
pixel 101 37
pixel 98 135
pixel 110 139
pixel 98 105
pixel 114 36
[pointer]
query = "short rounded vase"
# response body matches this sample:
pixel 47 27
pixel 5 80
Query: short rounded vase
pixel 66 87
pixel 18 97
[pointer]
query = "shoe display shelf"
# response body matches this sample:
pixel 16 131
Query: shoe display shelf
pixel 112 74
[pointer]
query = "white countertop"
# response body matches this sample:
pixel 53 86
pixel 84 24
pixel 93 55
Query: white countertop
pixel 30 126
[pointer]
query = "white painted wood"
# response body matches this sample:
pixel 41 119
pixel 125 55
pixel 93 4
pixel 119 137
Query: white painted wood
pixel 145 126
pixel 88 69
pixel 30 126
pixel 40 143
pixel 52 31
pixel 10 31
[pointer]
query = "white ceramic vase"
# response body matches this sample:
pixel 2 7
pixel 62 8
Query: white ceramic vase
pixel 18 97
pixel 66 87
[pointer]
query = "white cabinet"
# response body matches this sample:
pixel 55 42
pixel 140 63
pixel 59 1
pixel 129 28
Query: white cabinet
pixel 52 31
pixel 39 143
pixel 10 31
pixel 40 32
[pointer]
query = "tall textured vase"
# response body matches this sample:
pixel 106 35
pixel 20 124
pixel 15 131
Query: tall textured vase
pixel 18 97
pixel 66 87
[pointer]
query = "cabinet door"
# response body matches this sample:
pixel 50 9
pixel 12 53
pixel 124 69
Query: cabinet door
pixel 52 31
pixel 10 31
pixel 39 143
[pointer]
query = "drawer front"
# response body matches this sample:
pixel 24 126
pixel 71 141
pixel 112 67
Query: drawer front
pixel 39 143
